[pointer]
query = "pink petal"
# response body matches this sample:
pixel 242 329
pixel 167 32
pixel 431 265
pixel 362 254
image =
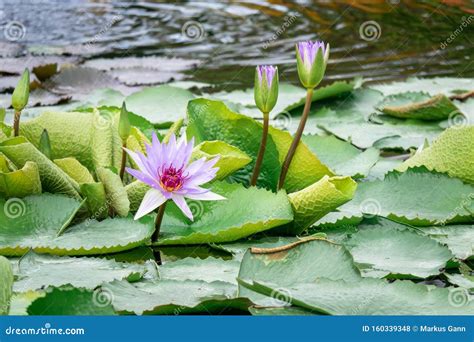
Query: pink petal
pixel 152 200
pixel 181 203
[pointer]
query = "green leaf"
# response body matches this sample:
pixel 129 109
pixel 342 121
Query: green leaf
pixel 166 297
pixel 71 301
pixel 418 105
pixel 144 102
pixel 208 270
pixel 391 252
pixel 458 238
pixel 96 200
pixel 34 272
pixel 371 297
pixel 317 200
pixel 244 212
pixel 53 179
pixel 34 222
pixel 210 120
pixel 21 183
pixel 433 86
pixel 75 170
pixel 451 152
pixel 417 197
pixel 115 191
pixel 231 158
pixel 90 137
pixel 343 158
pixel 461 280
pixel 304 262
pixel 6 285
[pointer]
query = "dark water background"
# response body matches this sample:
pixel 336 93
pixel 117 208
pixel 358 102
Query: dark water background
pixel 230 37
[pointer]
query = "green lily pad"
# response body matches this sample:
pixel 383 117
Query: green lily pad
pixel 231 158
pixel 95 144
pixel 418 105
pixel 34 272
pixel 452 153
pixel 6 285
pixel 459 238
pixel 21 183
pixel 461 280
pixel 433 86
pixel 96 200
pixel 167 297
pixel 283 266
pixel 391 252
pixel 211 120
pixel 53 179
pixel 34 223
pixel 244 212
pixel 317 200
pixel 144 103
pixel 370 297
pixel 71 301
pixel 417 197
pixel 75 170
pixel 116 195
pixel 343 158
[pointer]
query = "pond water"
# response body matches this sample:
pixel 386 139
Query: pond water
pixel 379 40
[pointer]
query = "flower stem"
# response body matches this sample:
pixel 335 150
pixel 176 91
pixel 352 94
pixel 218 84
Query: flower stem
pixel 16 123
pixel 261 151
pixel 296 139
pixel 158 220
pixel 124 160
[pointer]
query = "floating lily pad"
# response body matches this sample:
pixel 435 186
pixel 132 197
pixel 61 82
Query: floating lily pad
pixel 144 103
pixel 35 221
pixel 34 271
pixel 6 285
pixel 433 86
pixel 168 297
pixel 244 212
pixel 458 238
pixel 452 153
pixel 390 252
pixel 343 158
pixel 418 105
pixel 417 197
pixel 71 301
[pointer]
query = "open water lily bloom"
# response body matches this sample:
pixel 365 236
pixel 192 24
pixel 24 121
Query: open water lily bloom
pixel 166 169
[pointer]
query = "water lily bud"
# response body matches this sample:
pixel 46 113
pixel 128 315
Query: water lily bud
pixel 124 124
pixel 312 58
pixel 22 92
pixel 266 87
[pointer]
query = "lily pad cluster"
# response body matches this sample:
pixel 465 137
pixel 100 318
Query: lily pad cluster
pixel 375 215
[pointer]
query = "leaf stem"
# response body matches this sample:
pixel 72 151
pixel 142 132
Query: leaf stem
pixel 296 139
pixel 158 220
pixel 16 123
pixel 261 151
pixel 124 160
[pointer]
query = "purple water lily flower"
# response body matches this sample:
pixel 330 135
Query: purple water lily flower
pixel 312 58
pixel 166 169
pixel 269 71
